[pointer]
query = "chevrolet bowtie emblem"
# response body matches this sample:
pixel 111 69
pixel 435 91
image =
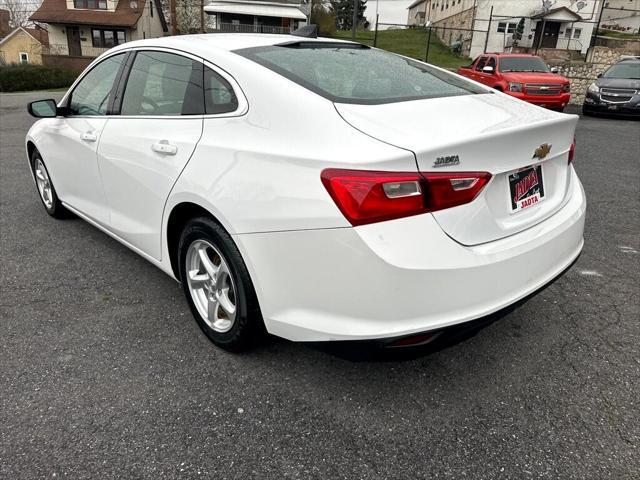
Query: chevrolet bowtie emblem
pixel 542 151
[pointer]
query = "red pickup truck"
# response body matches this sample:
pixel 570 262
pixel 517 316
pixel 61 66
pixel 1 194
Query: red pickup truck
pixel 523 76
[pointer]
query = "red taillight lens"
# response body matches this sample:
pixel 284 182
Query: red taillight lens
pixel 446 190
pixel 572 150
pixel 368 197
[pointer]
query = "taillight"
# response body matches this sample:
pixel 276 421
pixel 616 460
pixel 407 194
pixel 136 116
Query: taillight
pixel 368 197
pixel 572 150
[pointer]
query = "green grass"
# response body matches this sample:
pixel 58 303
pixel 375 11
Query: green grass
pixel 616 34
pixel 411 43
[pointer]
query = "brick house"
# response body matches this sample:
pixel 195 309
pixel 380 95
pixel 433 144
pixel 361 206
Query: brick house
pixel 80 30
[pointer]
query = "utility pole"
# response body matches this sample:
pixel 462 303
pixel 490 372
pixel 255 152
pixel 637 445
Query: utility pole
pixel 355 19
pixel 202 16
pixel 486 40
pixel 173 17
pixel 594 37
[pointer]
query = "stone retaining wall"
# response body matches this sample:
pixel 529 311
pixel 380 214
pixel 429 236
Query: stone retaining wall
pixel 582 74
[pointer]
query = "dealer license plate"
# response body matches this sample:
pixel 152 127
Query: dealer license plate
pixel 526 188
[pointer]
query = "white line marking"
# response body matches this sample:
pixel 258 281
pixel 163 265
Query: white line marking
pixel 590 273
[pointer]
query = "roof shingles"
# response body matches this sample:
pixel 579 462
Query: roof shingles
pixel 55 11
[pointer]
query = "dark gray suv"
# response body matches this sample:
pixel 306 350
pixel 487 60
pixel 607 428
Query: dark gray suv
pixel 616 91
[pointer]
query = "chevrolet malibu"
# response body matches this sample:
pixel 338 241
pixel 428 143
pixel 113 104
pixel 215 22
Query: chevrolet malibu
pixel 311 188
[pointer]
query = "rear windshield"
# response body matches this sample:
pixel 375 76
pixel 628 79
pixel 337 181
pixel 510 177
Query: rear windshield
pixel 523 64
pixel 353 73
pixel 624 70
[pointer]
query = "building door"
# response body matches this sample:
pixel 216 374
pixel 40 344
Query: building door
pixel 550 35
pixel 73 41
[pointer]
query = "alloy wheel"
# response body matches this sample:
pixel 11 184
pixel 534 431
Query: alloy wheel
pixel 44 184
pixel 211 285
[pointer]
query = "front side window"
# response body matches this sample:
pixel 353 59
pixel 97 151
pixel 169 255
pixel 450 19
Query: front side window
pixel 91 94
pixel 352 73
pixel 481 63
pixel 163 84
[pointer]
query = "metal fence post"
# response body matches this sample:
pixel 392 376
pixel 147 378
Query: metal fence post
pixel 426 55
pixel 375 34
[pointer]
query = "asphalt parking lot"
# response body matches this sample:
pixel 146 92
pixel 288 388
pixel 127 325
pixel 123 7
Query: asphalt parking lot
pixel 104 374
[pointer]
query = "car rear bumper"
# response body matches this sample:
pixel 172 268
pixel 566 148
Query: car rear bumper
pixel 401 277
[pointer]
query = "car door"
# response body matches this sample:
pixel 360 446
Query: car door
pixel 477 68
pixel 70 142
pixel 146 145
pixel 488 78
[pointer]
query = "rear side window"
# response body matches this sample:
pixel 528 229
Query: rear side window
pixel 163 84
pixel 218 94
pixel 91 95
pixel 352 73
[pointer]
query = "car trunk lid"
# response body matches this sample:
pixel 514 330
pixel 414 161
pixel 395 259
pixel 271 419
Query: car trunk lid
pixel 479 133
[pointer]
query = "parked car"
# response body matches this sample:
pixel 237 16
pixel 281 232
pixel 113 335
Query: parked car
pixel 526 77
pixel 318 189
pixel 616 91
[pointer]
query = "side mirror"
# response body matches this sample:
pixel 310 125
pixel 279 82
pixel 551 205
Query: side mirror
pixel 43 109
pixel 554 70
pixel 599 75
pixel 487 69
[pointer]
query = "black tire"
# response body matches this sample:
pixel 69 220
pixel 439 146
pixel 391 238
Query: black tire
pixel 248 327
pixel 56 210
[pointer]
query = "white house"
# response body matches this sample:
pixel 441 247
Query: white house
pixel 260 16
pixel 561 24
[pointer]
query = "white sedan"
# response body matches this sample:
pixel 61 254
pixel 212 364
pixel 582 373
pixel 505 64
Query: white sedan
pixel 313 188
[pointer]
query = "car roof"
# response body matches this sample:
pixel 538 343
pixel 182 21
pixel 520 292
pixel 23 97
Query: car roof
pixel 222 41
pixel 630 60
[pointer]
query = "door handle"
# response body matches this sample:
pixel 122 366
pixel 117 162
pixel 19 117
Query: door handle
pixel 164 147
pixel 88 137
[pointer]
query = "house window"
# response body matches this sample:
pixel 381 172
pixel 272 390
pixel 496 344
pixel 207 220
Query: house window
pixel 24 57
pixel 151 8
pixel 90 4
pixel 567 33
pixel 107 38
pixel 577 32
pixel 506 27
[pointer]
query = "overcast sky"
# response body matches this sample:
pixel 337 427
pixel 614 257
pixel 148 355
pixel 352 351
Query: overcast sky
pixel 391 11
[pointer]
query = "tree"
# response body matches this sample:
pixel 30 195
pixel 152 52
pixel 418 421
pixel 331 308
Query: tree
pixel 322 15
pixel 517 35
pixel 188 15
pixel 343 11
pixel 19 11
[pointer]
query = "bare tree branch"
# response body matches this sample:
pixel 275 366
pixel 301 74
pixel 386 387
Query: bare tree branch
pixel 19 11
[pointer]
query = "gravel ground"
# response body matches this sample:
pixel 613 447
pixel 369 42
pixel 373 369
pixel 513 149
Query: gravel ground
pixel 104 374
